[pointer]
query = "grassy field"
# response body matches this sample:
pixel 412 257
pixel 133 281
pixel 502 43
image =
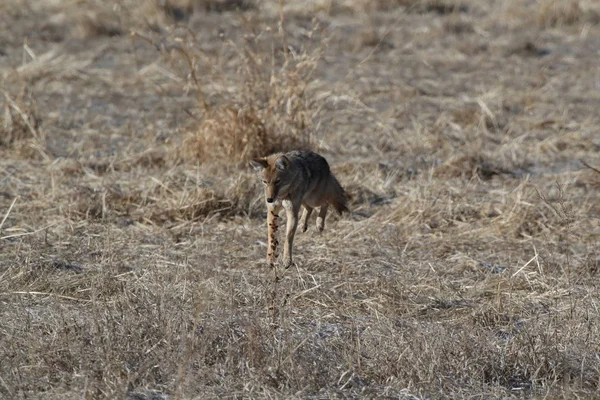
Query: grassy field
pixel 132 230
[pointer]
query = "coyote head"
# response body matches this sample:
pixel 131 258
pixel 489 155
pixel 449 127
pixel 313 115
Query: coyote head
pixel 274 173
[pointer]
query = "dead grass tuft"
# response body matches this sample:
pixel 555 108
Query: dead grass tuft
pixel 21 120
pixel 225 5
pixel 99 18
pixel 94 24
pixel 237 134
pixel 475 164
pixel 441 7
pixel 110 202
pixel 182 10
pixel 557 13
pixel 205 201
pixel 457 25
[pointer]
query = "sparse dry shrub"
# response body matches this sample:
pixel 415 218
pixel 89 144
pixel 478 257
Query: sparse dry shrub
pixel 273 108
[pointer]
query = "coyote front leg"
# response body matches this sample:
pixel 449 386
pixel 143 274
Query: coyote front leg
pixel 290 230
pixel 271 235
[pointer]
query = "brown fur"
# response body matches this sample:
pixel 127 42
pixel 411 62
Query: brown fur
pixel 292 180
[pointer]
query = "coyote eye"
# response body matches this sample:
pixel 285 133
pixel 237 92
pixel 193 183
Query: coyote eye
pixel 277 181
pixel 265 182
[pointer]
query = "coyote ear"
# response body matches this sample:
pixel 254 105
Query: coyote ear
pixel 282 163
pixel 259 163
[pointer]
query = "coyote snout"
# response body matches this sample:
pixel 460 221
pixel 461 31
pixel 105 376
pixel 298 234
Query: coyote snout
pixel 291 180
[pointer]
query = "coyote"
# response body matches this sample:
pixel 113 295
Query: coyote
pixel 294 179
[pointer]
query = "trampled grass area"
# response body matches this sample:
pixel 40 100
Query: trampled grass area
pixel 132 231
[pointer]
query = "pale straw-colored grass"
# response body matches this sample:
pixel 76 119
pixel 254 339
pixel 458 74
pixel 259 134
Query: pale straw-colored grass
pixel 133 238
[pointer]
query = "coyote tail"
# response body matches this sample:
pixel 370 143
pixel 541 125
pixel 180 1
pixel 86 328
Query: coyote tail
pixel 337 197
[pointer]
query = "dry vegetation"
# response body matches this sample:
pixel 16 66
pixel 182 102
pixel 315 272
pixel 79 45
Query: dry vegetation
pixel 132 232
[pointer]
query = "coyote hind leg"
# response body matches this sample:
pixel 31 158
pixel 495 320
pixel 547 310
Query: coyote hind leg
pixel 321 218
pixel 304 219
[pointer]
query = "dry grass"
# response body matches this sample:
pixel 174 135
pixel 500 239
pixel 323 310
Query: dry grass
pixel 548 14
pixel 132 234
pixel 440 7
pixel 21 119
pixel 555 13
